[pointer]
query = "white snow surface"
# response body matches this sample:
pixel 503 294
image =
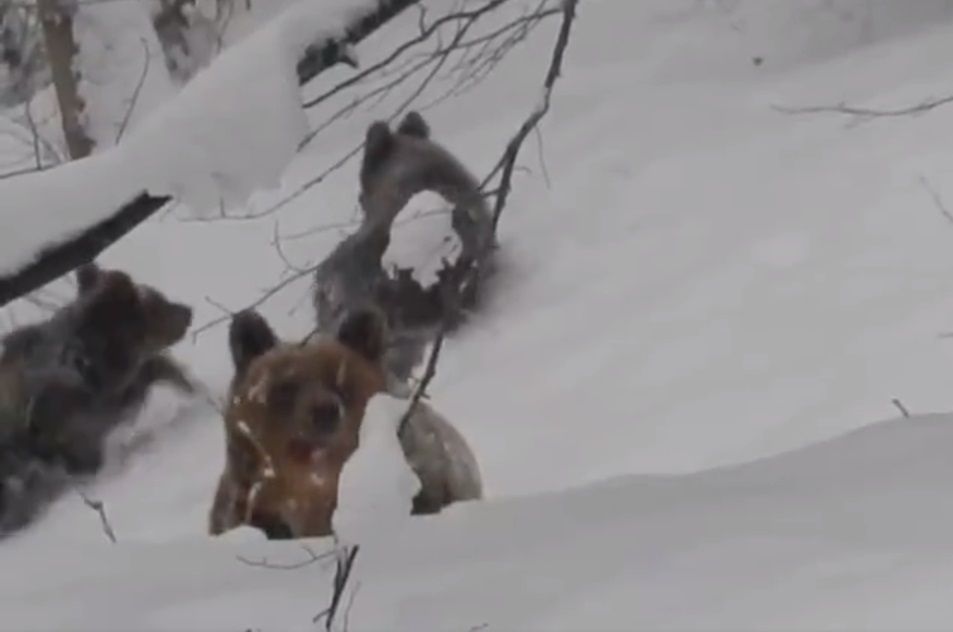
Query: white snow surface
pixel 675 391
pixel 849 534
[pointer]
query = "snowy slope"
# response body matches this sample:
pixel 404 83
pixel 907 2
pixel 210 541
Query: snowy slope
pixel 702 281
pixel 850 534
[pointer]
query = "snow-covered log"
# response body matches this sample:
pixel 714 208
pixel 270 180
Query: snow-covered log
pixel 189 148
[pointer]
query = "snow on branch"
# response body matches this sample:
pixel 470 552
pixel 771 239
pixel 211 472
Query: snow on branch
pixel 216 140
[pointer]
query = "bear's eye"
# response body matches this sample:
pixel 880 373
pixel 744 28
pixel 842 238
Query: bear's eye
pixel 282 395
pixel 325 416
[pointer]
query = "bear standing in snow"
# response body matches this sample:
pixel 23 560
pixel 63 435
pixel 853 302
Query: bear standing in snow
pixel 397 165
pixel 293 419
pixel 66 382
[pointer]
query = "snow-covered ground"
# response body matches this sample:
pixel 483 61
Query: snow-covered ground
pixel 694 285
pixel 851 534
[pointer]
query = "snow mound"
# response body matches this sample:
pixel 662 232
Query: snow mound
pixel 377 486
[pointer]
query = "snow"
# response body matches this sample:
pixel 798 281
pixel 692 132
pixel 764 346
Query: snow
pixel 848 534
pixel 676 390
pixel 377 487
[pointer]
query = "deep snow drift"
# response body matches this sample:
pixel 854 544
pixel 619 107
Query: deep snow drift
pixel 850 534
pixel 693 280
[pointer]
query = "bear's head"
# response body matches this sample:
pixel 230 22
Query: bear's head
pixel 118 324
pixel 293 417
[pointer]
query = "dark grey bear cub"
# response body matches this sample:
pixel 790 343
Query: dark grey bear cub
pixel 67 382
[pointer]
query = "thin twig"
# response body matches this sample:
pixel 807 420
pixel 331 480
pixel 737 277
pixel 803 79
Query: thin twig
pixel 304 272
pixel 434 60
pixel 425 34
pixel 28 113
pixel 937 200
pixel 860 112
pixel 311 559
pixel 341 576
pixel 19 172
pixel 903 409
pixel 508 161
pixel 429 372
pixel 137 91
pixel 100 508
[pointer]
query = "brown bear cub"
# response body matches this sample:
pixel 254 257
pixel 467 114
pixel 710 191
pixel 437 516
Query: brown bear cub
pixel 68 381
pixel 293 419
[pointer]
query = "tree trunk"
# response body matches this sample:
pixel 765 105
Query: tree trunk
pixel 57 26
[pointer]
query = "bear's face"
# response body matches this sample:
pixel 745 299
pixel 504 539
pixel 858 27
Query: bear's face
pixel 118 323
pixel 296 410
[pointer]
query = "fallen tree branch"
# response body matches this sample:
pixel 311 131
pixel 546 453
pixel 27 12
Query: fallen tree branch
pixel 311 559
pixel 859 112
pixel 65 255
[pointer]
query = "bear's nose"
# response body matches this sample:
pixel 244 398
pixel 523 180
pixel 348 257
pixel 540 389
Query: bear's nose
pixel 325 417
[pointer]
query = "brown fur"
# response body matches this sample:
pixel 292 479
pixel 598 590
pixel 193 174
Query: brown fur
pixel 283 461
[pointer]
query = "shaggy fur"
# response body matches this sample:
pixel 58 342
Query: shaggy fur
pixel 67 382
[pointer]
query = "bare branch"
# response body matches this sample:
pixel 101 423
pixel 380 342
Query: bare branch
pixel 425 33
pixel 343 572
pixel 508 161
pixel 429 372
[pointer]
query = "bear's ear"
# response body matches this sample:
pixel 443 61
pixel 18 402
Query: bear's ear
pixel 414 125
pixel 249 336
pixel 378 146
pixel 116 297
pixel 112 309
pixel 87 275
pixel 365 332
